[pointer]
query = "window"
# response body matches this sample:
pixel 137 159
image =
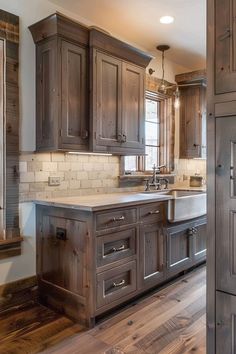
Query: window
pixel 159 136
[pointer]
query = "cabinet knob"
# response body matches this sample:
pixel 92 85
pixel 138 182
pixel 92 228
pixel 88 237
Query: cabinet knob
pixel 153 212
pixel 121 248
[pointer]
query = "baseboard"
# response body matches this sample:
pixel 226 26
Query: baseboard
pixel 18 292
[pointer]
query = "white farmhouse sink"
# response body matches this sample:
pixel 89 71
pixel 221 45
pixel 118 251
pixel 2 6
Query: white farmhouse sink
pixel 185 204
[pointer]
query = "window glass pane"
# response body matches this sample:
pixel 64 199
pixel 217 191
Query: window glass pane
pixel 152 157
pixel 152 111
pixel 152 133
pixel 130 163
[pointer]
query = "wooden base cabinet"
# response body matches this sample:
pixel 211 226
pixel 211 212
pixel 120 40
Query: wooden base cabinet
pixel 90 262
pixel 186 245
pixel 152 254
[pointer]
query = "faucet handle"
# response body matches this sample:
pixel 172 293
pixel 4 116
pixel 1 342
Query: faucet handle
pixel 147 185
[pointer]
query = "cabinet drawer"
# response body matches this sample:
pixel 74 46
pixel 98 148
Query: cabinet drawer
pixel 152 212
pixel 107 220
pixel 116 283
pixel 116 246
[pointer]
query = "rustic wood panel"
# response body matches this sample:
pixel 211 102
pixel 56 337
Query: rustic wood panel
pixel 169 321
pixel 9 32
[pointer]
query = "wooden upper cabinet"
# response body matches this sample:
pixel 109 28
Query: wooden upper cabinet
pixel 133 106
pixel 225 41
pixel 192 115
pixel 70 58
pixel 62 121
pixel 107 101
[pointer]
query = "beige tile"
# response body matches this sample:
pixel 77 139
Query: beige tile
pixel 49 166
pixel 27 177
pixel 41 176
pixel 64 166
pixel 57 157
pixel 35 166
pixel 23 166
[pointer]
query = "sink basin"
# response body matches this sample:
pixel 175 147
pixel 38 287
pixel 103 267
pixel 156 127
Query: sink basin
pixel 185 204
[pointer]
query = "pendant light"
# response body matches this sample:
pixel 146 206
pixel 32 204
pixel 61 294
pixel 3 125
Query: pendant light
pixel 163 48
pixel 177 97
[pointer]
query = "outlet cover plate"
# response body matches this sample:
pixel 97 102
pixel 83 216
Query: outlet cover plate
pixel 54 181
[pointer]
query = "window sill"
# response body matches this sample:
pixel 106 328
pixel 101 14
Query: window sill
pixel 10 248
pixel 136 180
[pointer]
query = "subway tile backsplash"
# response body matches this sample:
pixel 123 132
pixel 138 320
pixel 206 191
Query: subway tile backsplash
pixel 83 174
pixel 79 174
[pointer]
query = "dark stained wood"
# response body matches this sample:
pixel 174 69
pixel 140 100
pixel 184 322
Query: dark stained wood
pixel 74 114
pixel 15 293
pixel 171 320
pixel 115 47
pixel 116 74
pixel 133 112
pixel 116 246
pixel 91 262
pixel 225 199
pixel 116 283
pixel 190 77
pixel 192 112
pixel 225 323
pixel 60 25
pixel 118 217
pixel 107 104
pixel 152 254
pixel 9 106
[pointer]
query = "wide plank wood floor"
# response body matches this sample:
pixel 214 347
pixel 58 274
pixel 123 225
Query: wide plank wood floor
pixel 170 321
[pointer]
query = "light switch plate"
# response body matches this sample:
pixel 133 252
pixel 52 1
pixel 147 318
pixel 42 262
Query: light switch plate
pixel 54 181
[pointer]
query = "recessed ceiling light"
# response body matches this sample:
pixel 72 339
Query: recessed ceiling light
pixel 167 20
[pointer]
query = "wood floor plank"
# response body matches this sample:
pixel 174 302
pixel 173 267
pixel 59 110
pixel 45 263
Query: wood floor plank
pixel 170 321
pixel 144 320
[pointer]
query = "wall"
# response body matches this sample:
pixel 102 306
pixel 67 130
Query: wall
pixel 35 168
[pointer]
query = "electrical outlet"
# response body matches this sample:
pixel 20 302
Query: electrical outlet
pixel 54 181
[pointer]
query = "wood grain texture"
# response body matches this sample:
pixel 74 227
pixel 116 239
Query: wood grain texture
pixel 171 321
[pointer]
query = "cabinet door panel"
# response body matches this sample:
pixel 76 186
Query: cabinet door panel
pixel 107 100
pixel 63 253
pixel 152 250
pixel 225 41
pixel 226 204
pixel 199 242
pixel 190 122
pixel 74 119
pixel 225 323
pixel 179 248
pixel 47 95
pixel 133 106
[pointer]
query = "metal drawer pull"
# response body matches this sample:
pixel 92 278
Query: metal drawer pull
pixel 120 218
pixel 154 212
pixel 116 285
pixel 121 248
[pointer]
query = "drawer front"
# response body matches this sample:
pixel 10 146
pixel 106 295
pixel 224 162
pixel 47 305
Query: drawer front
pixel 152 212
pixel 116 246
pixel 116 283
pixel 107 220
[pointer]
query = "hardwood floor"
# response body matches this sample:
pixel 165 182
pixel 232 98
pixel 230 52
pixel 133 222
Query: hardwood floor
pixel 170 321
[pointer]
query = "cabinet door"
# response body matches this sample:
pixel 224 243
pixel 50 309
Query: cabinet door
pixel 199 242
pixel 133 107
pixel 225 323
pixel 62 258
pixel 107 102
pixel 226 204
pixel 225 42
pixel 74 115
pixel 190 122
pixel 179 248
pixel 152 251
pixel 47 96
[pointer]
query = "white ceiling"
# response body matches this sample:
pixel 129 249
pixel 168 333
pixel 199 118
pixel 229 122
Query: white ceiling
pixel 137 21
